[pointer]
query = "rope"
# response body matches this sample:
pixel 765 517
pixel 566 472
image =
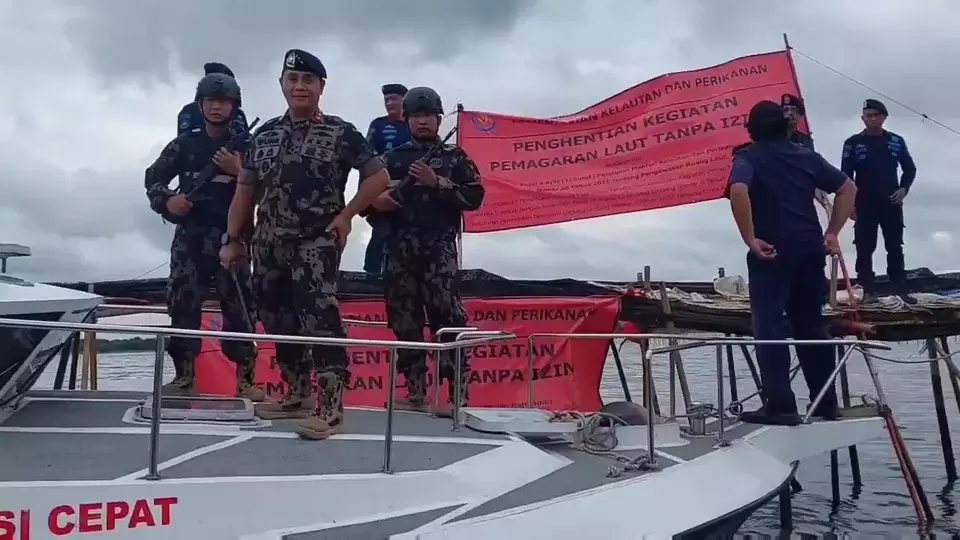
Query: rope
pixel 154 269
pixel 599 440
pixel 911 361
pixel 922 115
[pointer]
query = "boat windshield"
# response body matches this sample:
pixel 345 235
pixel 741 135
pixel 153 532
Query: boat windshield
pixel 20 346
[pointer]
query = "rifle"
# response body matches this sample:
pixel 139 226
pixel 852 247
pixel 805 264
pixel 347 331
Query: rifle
pixel 237 143
pixel 407 180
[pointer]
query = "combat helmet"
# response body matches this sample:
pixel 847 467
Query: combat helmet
pixel 422 100
pixel 219 85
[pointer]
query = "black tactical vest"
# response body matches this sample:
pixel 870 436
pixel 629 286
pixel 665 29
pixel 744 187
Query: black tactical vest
pixel 421 206
pixel 211 200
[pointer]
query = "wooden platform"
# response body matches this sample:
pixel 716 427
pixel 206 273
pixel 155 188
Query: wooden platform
pixel 932 316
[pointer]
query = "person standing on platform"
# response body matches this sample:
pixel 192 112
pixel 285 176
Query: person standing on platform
pixel 872 158
pixel 425 206
pixel 771 190
pixel 295 171
pixel 794 111
pixel 202 224
pixel 190 117
pixel 384 134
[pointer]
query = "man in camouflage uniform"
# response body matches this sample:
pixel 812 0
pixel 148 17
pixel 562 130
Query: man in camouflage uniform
pixel 296 171
pixel 425 206
pixel 200 208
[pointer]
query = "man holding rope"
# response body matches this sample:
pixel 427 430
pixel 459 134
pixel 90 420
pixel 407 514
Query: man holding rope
pixel 772 184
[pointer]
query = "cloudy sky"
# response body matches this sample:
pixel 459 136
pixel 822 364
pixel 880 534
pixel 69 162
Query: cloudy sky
pixel 90 90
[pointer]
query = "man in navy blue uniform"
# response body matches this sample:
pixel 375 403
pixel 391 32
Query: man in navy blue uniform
pixel 872 158
pixel 772 184
pixel 385 133
pixel 794 110
pixel 190 117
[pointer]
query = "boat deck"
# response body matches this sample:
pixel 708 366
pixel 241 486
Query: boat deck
pixel 63 436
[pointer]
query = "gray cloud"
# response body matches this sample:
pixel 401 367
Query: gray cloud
pixel 120 38
pixel 73 160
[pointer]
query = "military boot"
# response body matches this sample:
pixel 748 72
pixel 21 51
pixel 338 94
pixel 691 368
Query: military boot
pixel 294 405
pixel 179 386
pixel 445 410
pixel 184 384
pixel 246 388
pixel 416 397
pixel 327 420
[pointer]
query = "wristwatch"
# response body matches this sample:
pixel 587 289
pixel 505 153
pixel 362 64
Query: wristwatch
pixel 228 239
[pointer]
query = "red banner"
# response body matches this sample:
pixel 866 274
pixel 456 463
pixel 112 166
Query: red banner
pixel 567 372
pixel 665 142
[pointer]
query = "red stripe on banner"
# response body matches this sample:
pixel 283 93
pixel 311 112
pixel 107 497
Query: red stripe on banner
pixel 567 372
pixel 665 142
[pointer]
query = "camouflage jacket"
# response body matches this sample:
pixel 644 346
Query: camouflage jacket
pixel 434 208
pixel 301 174
pixel 184 158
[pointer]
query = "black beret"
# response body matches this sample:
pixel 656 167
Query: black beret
pixel 394 88
pixel 790 100
pixel 216 67
pixel 876 105
pixel 298 60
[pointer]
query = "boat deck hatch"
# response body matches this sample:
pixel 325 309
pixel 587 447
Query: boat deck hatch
pixel 200 408
pixel 527 422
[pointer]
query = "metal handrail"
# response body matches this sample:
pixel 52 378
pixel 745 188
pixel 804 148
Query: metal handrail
pixel 701 342
pixel 234 336
pixel 162 333
pixel 696 342
pixel 163 309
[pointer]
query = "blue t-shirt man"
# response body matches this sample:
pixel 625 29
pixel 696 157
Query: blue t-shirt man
pixel 390 131
pixel 772 186
pixel 782 177
pixel 385 133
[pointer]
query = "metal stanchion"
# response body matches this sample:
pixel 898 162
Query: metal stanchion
pixel 721 416
pixel 827 386
pixel 436 361
pixel 458 358
pixel 155 411
pixel 648 403
pixel 388 432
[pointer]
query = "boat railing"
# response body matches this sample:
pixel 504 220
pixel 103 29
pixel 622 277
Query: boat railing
pixel 464 339
pixel 695 341
pixel 118 310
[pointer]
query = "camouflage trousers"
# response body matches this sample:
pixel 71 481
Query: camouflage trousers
pixel 296 286
pixel 422 284
pixel 194 267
